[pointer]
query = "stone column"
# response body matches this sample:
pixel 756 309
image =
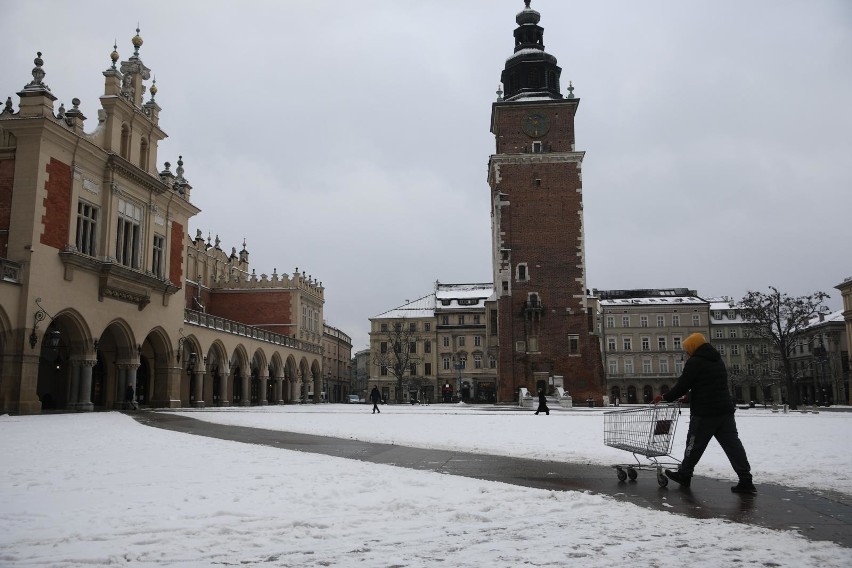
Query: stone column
pixel 264 381
pixel 198 376
pixel 246 401
pixel 84 396
pixel 279 390
pixel 223 389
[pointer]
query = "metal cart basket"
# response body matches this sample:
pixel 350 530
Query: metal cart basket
pixel 648 432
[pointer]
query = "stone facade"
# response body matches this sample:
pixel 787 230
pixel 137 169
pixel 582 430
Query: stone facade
pixel 102 291
pixel 337 364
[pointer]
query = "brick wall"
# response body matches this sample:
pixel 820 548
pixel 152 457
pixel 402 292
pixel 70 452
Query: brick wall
pixel 7 179
pixel 57 205
pixel 268 309
pixel 542 227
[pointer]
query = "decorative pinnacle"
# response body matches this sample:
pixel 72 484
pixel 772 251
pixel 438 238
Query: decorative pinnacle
pixel 114 55
pixel 38 72
pixel 153 89
pixel 499 92
pixel 137 42
pixel 570 90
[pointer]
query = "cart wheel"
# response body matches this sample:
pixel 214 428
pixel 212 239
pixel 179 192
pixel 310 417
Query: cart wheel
pixel 622 475
pixel 662 479
pixel 631 473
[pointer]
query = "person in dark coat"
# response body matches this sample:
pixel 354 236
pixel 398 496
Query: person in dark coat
pixel 705 378
pixel 130 398
pixel 375 396
pixel 542 403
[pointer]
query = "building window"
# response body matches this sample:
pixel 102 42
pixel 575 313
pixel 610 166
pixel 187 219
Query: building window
pixel 476 319
pixel 445 320
pixel 610 343
pixel 661 343
pixel 735 349
pixel 676 344
pixel 646 344
pixel 610 321
pixel 764 349
pixel 461 320
pixel 536 148
pixel 427 346
pixel 521 273
pixel 158 256
pixel 412 347
pixel 675 320
pixel 446 363
pixel 627 343
pixel 412 369
pixel 735 369
pixel 427 326
pixel 664 366
pixel 427 369
pixel 613 366
pixel 721 350
pixel 628 366
pixel 678 367
pixel 412 326
pixel 477 341
pixel 384 371
pixel 492 362
pixel 384 327
pixel 463 361
pixel 128 233
pixel 643 321
pixel 625 321
pixel 646 366
pixel 661 321
pixel 461 341
pixel 719 333
pixel 750 370
pixel 477 361
pixel 397 327
pixel 732 333
pixel 446 341
pixel 87 224
pixel 696 319
pixel 383 347
pixel 732 315
pixel 573 344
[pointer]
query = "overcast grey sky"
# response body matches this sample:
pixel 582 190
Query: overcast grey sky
pixel 350 138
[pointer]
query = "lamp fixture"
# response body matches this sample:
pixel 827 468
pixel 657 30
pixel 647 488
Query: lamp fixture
pixel 51 337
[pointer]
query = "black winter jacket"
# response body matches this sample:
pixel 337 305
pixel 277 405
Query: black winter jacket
pixel 705 378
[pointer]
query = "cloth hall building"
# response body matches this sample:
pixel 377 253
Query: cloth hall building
pixel 104 298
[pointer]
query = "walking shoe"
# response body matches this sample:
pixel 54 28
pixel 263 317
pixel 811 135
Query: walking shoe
pixel 678 477
pixel 744 487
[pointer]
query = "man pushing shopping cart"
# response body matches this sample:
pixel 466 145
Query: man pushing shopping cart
pixel 705 380
pixel 711 413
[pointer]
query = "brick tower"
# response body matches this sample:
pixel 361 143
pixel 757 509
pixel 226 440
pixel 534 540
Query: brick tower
pixel 545 321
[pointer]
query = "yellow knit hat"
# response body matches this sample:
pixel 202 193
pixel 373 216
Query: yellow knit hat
pixel 693 342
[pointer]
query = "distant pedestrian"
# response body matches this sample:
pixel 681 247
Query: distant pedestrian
pixel 705 378
pixel 542 403
pixel 130 398
pixel 375 396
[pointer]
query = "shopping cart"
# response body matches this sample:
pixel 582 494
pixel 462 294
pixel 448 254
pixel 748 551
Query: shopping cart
pixel 647 432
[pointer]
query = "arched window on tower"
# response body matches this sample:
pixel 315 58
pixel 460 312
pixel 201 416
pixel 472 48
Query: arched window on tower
pixel 125 142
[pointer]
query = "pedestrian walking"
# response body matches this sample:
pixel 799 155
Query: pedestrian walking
pixel 542 403
pixel 375 396
pixel 705 379
pixel 130 398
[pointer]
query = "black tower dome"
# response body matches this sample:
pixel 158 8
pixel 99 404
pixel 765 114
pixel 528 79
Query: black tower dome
pixel 530 72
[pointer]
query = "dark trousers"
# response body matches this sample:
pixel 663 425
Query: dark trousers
pixel 724 428
pixel 542 407
pixel 376 408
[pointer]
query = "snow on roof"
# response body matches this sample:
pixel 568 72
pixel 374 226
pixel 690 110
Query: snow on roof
pixel 420 308
pixel 658 301
pixel 464 291
pixel 827 318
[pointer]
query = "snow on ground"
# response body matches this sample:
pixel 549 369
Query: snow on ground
pixel 102 490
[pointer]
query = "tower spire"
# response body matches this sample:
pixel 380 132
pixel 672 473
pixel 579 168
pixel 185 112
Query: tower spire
pixel 531 71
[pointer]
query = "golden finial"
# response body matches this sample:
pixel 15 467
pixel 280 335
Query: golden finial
pixel 137 41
